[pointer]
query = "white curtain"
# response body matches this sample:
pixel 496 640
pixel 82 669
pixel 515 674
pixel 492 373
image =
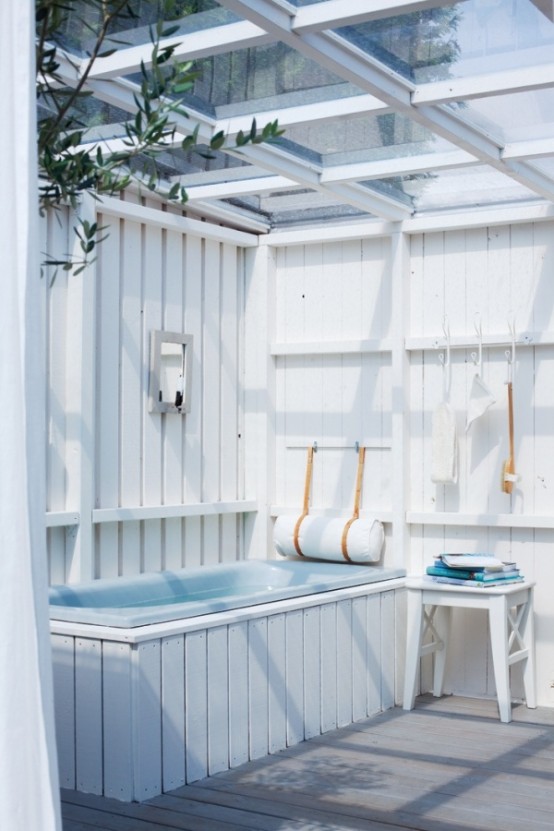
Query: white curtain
pixel 29 798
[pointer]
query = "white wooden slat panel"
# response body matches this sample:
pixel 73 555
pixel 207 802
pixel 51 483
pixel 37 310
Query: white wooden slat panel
pixel 543 265
pixel 328 647
pixel 359 658
pixel 542 402
pixel 544 575
pixel 107 394
pixel 132 401
pixel 373 652
pixel 64 702
pixel 56 538
pixel 196 705
pixel 152 281
pixel 258 688
pixel 387 650
pixel 173 712
pixel 88 715
pixel 117 678
pixel 238 694
pixel 79 399
pixel 173 425
pixel 57 329
pixel 211 397
pixel 192 460
pixel 230 391
pixel 277 683
pixel 312 673
pixel 294 658
pixel 147 714
pixel 344 663
pixel 218 700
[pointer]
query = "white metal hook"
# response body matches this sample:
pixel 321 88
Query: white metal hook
pixel 511 353
pixel 477 357
pixel 445 359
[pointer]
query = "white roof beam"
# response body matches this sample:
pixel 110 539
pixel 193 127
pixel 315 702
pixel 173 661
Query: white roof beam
pixel 190 47
pixel 308 175
pixel 230 216
pixel 245 187
pixel 532 179
pixel 402 166
pixel 533 149
pixel 333 13
pixel 352 64
pixel 522 79
pixel 307 113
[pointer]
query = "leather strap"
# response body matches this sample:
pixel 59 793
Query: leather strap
pixel 356 511
pixel 306 503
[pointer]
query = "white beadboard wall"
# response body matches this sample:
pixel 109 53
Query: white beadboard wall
pixel 118 455
pixel 334 341
pixel 327 297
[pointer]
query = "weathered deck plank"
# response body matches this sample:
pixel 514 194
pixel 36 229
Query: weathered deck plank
pixel 449 765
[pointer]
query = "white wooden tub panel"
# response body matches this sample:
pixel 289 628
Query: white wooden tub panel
pixel 137 719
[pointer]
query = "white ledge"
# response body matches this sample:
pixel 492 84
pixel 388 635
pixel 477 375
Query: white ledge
pixel 142 512
pixel 480 520
pixel 338 347
pixel 60 519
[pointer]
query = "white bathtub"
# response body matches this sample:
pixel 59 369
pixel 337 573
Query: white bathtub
pixel 174 595
pixel 150 695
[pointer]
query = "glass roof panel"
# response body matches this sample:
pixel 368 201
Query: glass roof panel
pixel 265 77
pixel 131 30
pixel 495 115
pixel 457 41
pixel 290 208
pixel 366 138
pixel 476 186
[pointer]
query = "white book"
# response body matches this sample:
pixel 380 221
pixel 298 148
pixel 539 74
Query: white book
pixel 472 561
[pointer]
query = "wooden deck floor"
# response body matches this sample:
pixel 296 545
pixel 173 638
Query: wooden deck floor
pixel 448 765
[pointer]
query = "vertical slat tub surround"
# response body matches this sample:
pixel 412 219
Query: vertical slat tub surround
pixel 138 718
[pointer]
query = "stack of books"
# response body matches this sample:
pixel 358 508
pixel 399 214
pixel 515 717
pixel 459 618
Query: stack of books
pixel 473 570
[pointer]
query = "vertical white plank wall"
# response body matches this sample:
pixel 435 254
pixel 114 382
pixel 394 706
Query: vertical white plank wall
pixel 109 459
pixel 492 278
pixel 348 360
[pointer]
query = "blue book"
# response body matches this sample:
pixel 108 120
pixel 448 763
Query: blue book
pixel 439 570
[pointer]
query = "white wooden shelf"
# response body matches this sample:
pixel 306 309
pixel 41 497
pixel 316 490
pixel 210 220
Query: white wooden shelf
pixel 500 340
pixel 287 510
pixel 338 347
pixel 61 519
pixel 142 512
pixel 480 520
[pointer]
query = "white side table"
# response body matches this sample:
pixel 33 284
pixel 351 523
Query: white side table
pixel 510 610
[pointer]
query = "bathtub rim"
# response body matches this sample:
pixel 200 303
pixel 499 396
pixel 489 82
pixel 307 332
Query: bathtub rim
pixel 139 634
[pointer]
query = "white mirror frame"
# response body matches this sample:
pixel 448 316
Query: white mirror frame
pixel 156 404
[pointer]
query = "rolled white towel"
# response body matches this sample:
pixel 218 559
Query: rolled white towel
pixel 321 538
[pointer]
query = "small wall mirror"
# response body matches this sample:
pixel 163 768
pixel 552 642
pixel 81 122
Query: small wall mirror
pixel 170 372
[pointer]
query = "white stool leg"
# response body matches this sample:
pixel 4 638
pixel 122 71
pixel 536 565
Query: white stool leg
pixel 498 623
pixel 413 646
pixel 442 620
pixel 528 634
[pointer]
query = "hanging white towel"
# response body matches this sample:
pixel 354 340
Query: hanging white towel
pixel 480 399
pixel 444 462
